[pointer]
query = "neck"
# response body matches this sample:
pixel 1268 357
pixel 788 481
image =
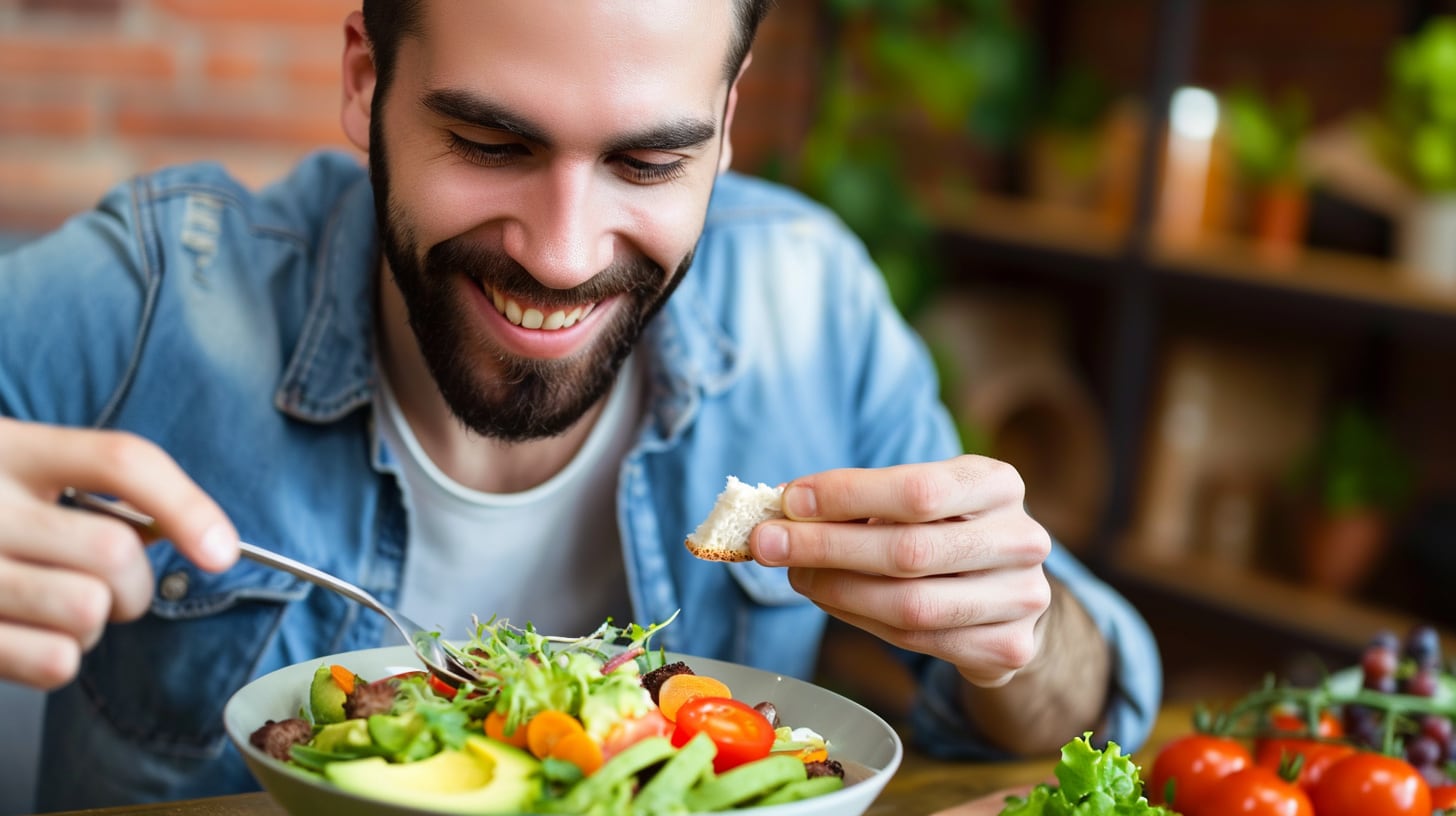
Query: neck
pixel 473 461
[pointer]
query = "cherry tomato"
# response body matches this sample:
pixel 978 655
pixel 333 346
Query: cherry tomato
pixel 1318 757
pixel 442 688
pixel 629 732
pixel 1194 763
pixel 1370 784
pixel 1288 723
pixel 740 733
pixel 1254 791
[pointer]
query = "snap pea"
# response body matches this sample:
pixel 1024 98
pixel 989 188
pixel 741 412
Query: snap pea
pixel 622 767
pixel 670 785
pixel 746 782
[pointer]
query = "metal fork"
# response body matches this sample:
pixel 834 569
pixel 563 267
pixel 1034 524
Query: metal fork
pixel 426 643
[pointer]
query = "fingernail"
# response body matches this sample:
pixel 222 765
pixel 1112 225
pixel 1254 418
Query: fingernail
pixel 220 544
pixel 773 544
pixel 799 503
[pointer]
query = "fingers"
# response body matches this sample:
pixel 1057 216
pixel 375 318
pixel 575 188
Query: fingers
pixel 48 458
pixel 966 485
pixel 932 604
pixel 1002 540
pixel 984 623
pixel 65 572
pixel 987 655
pixel 47 545
pixel 36 657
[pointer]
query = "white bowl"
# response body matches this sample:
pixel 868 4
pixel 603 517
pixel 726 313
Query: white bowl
pixel 867 746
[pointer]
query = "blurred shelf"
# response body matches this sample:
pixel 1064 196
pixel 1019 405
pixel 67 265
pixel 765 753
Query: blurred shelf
pixel 1333 621
pixel 1356 279
pixel 1032 223
pixel 1029 231
pixel 1024 232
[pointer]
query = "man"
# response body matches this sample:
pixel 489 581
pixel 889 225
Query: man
pixel 505 373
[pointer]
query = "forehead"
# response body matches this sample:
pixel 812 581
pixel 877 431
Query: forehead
pixel 614 58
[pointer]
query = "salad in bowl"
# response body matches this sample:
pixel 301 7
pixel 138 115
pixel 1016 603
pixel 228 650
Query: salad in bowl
pixel 600 724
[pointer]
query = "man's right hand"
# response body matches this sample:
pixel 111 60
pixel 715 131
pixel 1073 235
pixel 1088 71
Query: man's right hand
pixel 65 573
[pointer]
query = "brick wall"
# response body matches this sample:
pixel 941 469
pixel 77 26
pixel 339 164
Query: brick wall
pixel 94 91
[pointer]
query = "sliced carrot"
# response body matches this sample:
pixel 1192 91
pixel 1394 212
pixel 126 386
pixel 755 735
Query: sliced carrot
pixel 495 728
pixel 548 728
pixel 680 688
pixel 813 755
pixel 343 677
pixel 580 750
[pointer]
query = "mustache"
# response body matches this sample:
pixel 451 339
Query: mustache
pixel 499 272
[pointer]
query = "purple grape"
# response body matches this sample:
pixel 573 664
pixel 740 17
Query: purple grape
pixel 1422 683
pixel 1385 684
pixel 1437 728
pixel 1423 751
pixel 1423 645
pixel 1378 663
pixel 1386 639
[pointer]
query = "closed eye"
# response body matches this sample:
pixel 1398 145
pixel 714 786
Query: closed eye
pixel 644 172
pixel 487 154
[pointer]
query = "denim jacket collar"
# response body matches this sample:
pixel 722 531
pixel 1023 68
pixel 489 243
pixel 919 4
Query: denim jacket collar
pixel 332 371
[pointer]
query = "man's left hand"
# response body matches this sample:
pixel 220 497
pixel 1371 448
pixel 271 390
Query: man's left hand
pixel 939 558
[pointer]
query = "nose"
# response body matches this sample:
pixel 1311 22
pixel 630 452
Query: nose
pixel 559 230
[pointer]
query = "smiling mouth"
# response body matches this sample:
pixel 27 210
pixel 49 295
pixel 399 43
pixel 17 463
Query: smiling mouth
pixel 532 317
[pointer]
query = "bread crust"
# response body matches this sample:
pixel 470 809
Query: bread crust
pixel 723 535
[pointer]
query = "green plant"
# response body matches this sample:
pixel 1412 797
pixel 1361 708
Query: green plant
pixel 1264 134
pixel 1354 465
pixel 897 70
pixel 1417 135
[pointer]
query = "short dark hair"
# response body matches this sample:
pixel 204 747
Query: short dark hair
pixel 386 22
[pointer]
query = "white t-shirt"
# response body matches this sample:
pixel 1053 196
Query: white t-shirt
pixel 549 555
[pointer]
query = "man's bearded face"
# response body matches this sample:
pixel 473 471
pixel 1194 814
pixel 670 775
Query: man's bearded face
pixel 493 391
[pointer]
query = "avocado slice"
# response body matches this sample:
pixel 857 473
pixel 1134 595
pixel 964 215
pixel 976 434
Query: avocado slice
pixel 484 777
pixel 349 736
pixel 325 698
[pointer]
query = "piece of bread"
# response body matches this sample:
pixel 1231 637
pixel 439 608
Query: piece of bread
pixel 723 535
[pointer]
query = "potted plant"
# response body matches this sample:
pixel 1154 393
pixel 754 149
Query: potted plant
pixel 1264 136
pixel 1351 484
pixel 1416 137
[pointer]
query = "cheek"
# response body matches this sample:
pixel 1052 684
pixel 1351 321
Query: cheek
pixel 666 227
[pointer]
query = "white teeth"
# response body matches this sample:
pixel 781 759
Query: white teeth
pixel 532 318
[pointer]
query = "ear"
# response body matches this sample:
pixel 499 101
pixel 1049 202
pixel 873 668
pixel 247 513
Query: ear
pixel 725 156
pixel 359 79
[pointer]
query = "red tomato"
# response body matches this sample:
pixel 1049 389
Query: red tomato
pixel 1194 763
pixel 1318 757
pixel 1254 791
pixel 442 688
pixel 740 732
pixel 1370 784
pixel 1443 797
pixel 628 732
pixel 1291 724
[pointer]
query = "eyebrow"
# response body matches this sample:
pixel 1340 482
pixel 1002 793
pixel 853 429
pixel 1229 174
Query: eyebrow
pixel 480 112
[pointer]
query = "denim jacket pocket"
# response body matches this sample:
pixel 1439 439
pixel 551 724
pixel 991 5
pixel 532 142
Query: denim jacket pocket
pixel 765 586
pixel 163 680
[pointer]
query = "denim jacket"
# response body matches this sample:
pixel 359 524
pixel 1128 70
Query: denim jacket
pixel 234 329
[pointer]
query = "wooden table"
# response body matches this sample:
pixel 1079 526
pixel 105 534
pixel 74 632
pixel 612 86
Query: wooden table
pixel 922 786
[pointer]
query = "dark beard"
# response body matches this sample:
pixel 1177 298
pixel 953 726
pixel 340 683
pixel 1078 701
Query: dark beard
pixel 526 398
